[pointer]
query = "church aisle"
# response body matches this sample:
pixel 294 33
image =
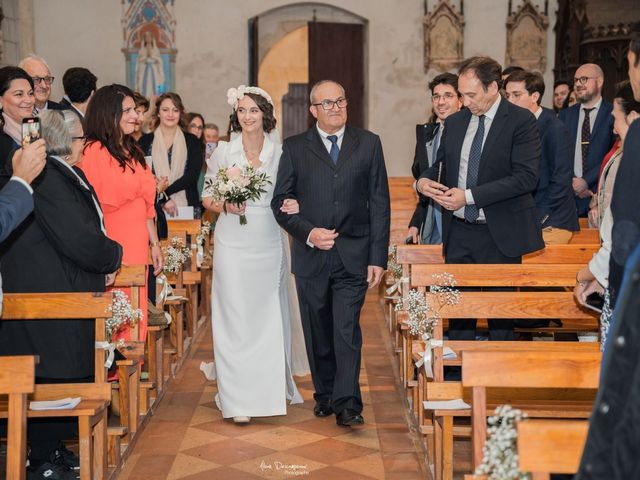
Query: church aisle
pixel 188 439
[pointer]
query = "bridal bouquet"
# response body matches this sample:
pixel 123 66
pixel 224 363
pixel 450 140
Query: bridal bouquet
pixel 236 185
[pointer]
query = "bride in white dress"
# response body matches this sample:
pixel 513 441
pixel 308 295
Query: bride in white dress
pixel 253 316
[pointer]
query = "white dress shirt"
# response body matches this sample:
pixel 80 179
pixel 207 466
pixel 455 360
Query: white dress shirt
pixel 577 158
pixel 326 141
pixel 466 150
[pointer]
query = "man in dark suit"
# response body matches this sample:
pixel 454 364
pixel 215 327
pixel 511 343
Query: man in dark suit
pixel 426 223
pixel 490 154
pixel 591 136
pixel 79 86
pixel 340 241
pixel 554 195
pixel 40 73
pixel 16 201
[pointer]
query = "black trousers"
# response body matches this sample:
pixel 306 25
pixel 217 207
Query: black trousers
pixel 472 243
pixel 330 307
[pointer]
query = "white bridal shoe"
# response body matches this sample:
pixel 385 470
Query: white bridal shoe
pixel 241 419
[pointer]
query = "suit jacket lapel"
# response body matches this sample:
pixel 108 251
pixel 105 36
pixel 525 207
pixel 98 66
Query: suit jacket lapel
pixel 455 136
pixel 498 123
pixel 314 142
pixel 349 144
pixel 600 118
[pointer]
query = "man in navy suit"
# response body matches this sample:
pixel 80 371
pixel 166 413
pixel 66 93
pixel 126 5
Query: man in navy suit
pixel 16 201
pixel 590 126
pixel 340 241
pixel 554 195
pixel 490 154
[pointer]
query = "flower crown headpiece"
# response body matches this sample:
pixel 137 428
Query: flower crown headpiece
pixel 234 95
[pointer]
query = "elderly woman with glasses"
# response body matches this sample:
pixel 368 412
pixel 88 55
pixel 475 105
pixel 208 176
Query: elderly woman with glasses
pixel 61 247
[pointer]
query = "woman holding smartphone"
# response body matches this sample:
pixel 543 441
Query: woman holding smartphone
pixel 17 102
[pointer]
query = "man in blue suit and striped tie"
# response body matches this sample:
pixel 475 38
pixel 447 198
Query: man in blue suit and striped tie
pixel 590 126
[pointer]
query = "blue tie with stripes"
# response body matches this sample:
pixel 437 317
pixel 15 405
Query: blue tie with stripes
pixel 335 151
pixel 471 212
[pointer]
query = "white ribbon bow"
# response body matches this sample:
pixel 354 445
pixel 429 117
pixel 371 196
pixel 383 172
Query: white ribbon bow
pixel 111 348
pixel 427 356
pixel 396 287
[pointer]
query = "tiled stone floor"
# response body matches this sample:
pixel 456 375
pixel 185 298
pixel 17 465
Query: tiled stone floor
pixel 188 439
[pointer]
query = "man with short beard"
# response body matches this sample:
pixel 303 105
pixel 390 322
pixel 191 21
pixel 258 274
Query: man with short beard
pixel 591 127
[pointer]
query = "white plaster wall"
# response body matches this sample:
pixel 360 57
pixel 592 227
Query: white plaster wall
pixel 86 33
pixel 212 42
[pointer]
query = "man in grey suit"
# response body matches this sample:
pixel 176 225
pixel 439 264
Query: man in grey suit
pixel 340 240
pixel 16 201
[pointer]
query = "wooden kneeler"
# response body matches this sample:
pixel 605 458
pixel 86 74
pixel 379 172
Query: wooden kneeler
pixel 95 397
pixel 17 376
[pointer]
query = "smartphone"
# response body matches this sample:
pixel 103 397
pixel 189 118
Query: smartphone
pixel 30 130
pixel 595 302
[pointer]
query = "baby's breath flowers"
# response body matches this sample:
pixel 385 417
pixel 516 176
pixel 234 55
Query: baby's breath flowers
pixel 500 460
pixel 122 313
pixel 175 255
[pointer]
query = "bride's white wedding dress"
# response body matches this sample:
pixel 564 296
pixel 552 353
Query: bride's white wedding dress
pixel 255 317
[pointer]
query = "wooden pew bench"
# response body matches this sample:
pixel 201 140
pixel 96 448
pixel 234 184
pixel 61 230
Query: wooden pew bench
pixel 444 427
pixel 17 379
pixel 95 397
pixel 550 446
pixel 526 370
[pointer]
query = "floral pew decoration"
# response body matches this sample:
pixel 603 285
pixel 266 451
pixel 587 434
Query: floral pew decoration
pixel 122 315
pixel 203 255
pixel 424 313
pixel 395 271
pixel 500 461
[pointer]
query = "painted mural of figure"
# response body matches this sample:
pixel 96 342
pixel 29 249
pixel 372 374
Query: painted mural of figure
pixel 149 67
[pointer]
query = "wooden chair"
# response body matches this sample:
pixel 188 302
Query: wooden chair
pixel 550 446
pixel 92 411
pixel 527 370
pixel 586 236
pixel 17 377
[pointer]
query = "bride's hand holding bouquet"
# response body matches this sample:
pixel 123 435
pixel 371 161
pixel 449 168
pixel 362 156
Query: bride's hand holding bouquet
pixel 234 186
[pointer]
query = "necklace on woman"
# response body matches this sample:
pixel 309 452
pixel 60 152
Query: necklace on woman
pixel 253 156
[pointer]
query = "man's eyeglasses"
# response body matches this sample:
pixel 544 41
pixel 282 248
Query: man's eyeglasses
pixel 83 138
pixel 582 80
pixel 46 80
pixel 328 104
pixel 195 126
pixel 446 96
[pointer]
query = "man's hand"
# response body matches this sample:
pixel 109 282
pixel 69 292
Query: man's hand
pixel 579 186
pixel 452 199
pixel 374 275
pixel 586 194
pixel 430 188
pixel 290 206
pixel 28 162
pixel 322 238
pixel 413 233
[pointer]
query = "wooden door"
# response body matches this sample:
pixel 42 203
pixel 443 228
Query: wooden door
pixel 336 52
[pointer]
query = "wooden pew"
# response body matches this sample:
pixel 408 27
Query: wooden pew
pixel 129 387
pixel 550 446
pixel 526 370
pixel 443 419
pixel 586 236
pixel 17 378
pixel 92 411
pixel 192 277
